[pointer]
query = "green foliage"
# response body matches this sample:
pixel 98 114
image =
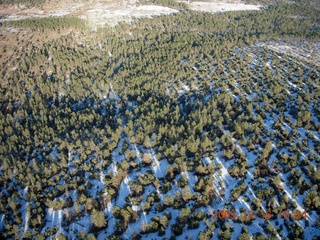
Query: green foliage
pixel 237 191
pixel 85 126
pixel 51 23
pixel 98 219
pixel 28 2
pixel 167 3
pixel 312 200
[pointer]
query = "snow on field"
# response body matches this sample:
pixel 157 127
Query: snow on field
pixel 112 12
pixel 81 225
pixel 300 51
pixel 315 135
pixel 97 13
pixel 221 6
pixel 298 199
pixel 101 178
pixel 137 152
pixel 207 160
pixel 241 200
pixel 123 192
pixel 158 171
pixel 109 207
pixel 114 169
pixel 2 222
pixel 222 181
pixel 54 218
pixel 23 12
pixel 184 89
pixel 224 171
pixel 26 213
pixel 26 219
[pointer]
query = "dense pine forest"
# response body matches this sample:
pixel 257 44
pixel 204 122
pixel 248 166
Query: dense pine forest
pixel 27 2
pixel 149 130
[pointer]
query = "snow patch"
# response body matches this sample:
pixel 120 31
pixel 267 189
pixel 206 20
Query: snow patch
pixel 221 7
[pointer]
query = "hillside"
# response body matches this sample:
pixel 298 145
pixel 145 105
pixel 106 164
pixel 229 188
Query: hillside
pixel 100 13
pixel 190 125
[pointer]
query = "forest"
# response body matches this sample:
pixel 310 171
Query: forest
pixel 27 2
pixel 144 130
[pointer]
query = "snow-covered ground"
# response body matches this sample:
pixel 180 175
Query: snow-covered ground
pixel 221 6
pixel 307 51
pixel 96 13
pixel 222 181
pixel 100 13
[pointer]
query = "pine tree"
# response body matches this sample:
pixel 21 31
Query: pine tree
pixel 98 219
pixel 186 194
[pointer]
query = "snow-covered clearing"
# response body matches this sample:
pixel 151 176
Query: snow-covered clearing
pixel 221 6
pixel 100 13
pixel 97 13
pixel 54 218
pixel 308 51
